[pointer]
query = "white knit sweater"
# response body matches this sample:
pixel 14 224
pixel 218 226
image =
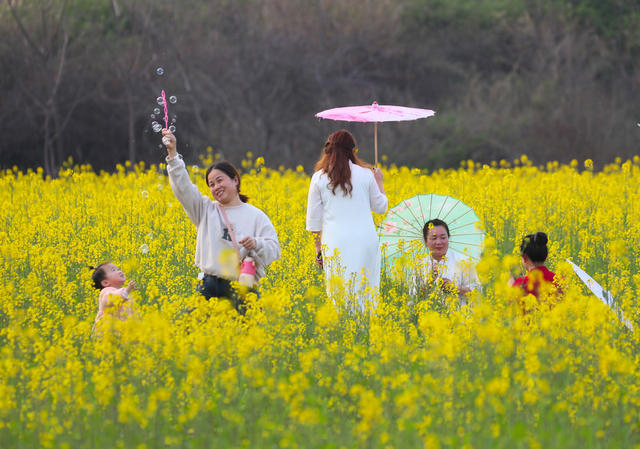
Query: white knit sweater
pixel 212 236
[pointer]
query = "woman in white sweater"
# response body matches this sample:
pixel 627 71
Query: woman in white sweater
pixel 253 231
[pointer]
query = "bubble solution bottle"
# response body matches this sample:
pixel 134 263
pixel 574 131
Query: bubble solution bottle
pixel 248 273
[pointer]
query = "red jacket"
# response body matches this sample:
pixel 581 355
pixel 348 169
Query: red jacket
pixel 531 282
pixel 531 285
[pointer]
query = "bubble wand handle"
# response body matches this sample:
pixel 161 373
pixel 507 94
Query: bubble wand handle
pixel 166 111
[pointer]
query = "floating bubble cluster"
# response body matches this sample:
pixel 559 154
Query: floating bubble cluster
pixel 157 113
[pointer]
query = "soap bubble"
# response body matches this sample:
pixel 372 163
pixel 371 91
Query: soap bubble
pixel 160 71
pixel 152 116
pixel 173 99
pixel 157 127
pixel 156 111
pixel 144 248
pixel 144 194
pixel 172 128
pixel 173 120
pixel 160 101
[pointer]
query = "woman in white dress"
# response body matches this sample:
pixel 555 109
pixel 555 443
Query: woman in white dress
pixel 343 192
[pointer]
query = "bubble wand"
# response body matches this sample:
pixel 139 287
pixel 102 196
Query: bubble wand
pixel 166 111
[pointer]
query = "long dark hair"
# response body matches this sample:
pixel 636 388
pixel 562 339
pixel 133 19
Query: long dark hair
pixel 228 169
pixel 534 246
pixel 337 152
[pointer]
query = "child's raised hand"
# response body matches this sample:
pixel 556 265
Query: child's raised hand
pixel 132 286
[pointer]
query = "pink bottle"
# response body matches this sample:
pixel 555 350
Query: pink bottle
pixel 248 273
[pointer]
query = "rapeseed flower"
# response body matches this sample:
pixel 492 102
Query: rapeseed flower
pixel 300 369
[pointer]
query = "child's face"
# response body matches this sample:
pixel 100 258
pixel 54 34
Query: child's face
pixel 114 277
pixel 437 241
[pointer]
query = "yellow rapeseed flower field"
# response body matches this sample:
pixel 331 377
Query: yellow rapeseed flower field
pixel 296 371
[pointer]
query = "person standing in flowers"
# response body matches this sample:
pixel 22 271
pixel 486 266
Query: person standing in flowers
pixel 539 280
pixel 343 192
pixel 252 229
pixel 114 298
pixel 446 267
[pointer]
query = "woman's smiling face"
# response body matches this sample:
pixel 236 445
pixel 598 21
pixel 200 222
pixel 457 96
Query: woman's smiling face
pixel 437 241
pixel 223 188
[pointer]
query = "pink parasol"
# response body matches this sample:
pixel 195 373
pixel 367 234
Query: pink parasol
pixel 375 113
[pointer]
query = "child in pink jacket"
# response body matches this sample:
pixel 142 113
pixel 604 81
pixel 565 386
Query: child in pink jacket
pixel 109 279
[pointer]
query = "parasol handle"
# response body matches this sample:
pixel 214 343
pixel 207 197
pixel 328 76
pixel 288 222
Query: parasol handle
pixel 375 141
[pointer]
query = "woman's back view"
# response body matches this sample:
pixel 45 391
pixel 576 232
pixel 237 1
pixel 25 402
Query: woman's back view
pixel 342 194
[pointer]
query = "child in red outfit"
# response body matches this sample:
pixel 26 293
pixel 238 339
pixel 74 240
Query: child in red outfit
pixel 539 280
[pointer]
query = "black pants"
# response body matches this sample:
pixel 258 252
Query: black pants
pixel 217 287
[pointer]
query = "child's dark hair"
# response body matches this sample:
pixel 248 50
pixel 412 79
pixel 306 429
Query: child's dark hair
pixel 228 169
pixel 534 246
pixel 99 274
pixel 432 224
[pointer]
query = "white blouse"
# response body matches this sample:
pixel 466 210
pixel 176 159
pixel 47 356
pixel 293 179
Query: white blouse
pixel 456 267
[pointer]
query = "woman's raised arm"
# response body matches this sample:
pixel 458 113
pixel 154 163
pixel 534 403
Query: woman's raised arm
pixel 187 193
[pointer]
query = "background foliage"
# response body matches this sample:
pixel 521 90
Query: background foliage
pixel 553 79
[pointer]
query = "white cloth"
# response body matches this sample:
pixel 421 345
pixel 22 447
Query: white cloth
pixel 347 226
pixel 213 237
pixel 456 267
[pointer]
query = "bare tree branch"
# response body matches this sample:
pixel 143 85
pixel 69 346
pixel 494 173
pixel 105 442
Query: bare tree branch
pixel 37 50
pixel 116 8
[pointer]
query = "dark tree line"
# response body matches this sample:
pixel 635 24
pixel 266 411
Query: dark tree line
pixel 553 79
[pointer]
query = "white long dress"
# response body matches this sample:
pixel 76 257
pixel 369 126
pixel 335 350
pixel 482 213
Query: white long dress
pixel 347 226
